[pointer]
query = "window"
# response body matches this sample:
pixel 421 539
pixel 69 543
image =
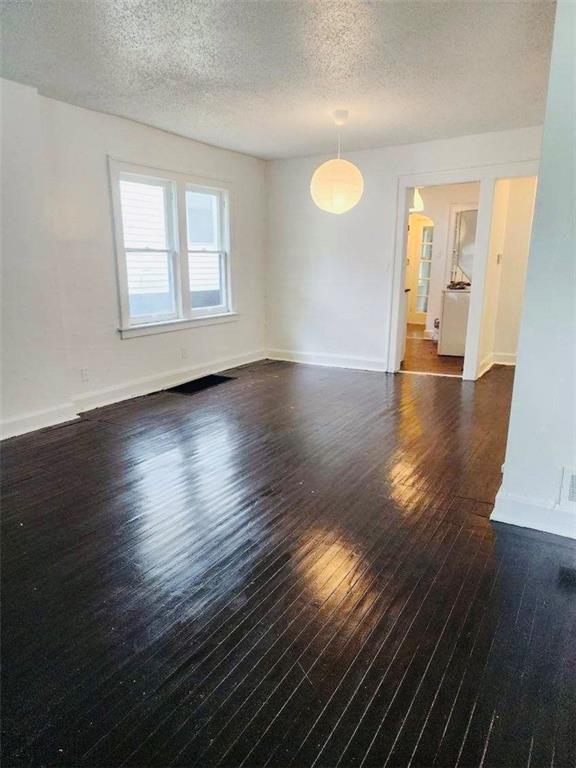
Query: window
pixel 206 256
pixel 172 248
pixel 424 269
pixel 149 248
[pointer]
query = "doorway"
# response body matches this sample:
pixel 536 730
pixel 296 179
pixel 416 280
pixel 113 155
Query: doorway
pixel 440 245
pixel 487 176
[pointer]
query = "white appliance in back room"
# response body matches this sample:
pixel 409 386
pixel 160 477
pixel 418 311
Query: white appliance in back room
pixel 453 322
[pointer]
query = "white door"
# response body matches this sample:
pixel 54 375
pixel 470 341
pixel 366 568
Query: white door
pixel 419 266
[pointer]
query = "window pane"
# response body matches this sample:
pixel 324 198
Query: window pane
pixel 206 284
pixel 422 304
pixel 426 252
pixel 424 269
pixel 150 284
pixel 427 234
pixel 143 215
pixel 202 217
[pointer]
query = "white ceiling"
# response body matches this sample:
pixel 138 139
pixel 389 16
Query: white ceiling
pixel 263 76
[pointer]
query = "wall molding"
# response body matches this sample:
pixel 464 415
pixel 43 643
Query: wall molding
pixel 485 365
pixel 329 360
pixel 19 425
pixel 496 358
pixel 504 358
pixel 126 391
pixel 148 384
pixel 538 514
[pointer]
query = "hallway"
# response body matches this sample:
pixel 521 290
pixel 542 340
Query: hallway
pixel 421 355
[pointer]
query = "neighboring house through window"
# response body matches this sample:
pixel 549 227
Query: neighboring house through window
pixel 172 243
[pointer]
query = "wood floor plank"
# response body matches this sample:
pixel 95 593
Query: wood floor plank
pixel 295 569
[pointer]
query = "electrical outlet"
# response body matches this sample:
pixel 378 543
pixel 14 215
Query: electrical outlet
pixel 84 374
pixel 183 353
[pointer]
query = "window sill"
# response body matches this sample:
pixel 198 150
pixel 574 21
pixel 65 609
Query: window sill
pixel 150 329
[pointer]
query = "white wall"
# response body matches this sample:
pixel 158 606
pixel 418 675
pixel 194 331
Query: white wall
pixel 35 385
pixel 329 277
pixel 437 202
pixel 542 434
pixel 493 273
pixel 60 306
pixel 506 270
pixel 513 267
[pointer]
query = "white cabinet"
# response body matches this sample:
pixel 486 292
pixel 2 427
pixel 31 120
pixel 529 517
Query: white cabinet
pixel 453 322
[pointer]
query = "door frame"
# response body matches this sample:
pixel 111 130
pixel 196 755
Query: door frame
pixel 487 176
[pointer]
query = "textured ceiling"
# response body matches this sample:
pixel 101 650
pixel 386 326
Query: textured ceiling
pixel 263 76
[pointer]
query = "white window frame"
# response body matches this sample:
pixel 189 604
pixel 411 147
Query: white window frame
pixel 223 237
pixel 176 184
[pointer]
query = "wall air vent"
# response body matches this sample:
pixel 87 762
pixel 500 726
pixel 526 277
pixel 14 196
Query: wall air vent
pixel 572 488
pixel 567 500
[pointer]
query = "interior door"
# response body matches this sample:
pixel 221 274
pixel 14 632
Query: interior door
pixel 419 266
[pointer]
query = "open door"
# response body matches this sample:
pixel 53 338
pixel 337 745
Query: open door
pixel 418 267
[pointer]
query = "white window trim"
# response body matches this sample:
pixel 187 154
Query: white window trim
pixel 185 316
pixel 167 326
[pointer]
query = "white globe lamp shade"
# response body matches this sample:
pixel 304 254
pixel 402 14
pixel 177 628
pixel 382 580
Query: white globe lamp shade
pixel 337 186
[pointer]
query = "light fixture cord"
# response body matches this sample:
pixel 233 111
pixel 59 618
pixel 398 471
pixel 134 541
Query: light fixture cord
pixel 339 140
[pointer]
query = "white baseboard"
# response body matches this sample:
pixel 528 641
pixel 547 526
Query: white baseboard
pixel 332 361
pixel 135 388
pixel 504 358
pixel 19 425
pixel 538 514
pixel 485 366
pixel 148 384
pixel 495 358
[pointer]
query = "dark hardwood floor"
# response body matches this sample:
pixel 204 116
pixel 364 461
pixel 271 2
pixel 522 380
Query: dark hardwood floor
pixel 294 568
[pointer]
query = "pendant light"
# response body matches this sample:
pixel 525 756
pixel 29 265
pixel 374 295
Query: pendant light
pixel 417 202
pixel 337 185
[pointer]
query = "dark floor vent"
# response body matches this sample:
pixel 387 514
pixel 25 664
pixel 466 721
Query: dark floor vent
pixel 567 578
pixel 191 387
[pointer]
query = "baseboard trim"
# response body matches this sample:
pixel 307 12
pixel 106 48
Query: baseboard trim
pixel 430 373
pixel 147 385
pixel 20 425
pixel 328 360
pixel 504 358
pixel 538 514
pixel 485 366
pixel 135 388
pixel 495 358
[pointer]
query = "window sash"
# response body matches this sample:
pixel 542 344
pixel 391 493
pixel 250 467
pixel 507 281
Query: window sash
pixel 176 185
pixel 223 282
pixel 172 276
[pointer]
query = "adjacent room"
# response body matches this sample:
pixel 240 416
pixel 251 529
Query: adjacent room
pixel 440 247
pixel 288 383
pixel 439 264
